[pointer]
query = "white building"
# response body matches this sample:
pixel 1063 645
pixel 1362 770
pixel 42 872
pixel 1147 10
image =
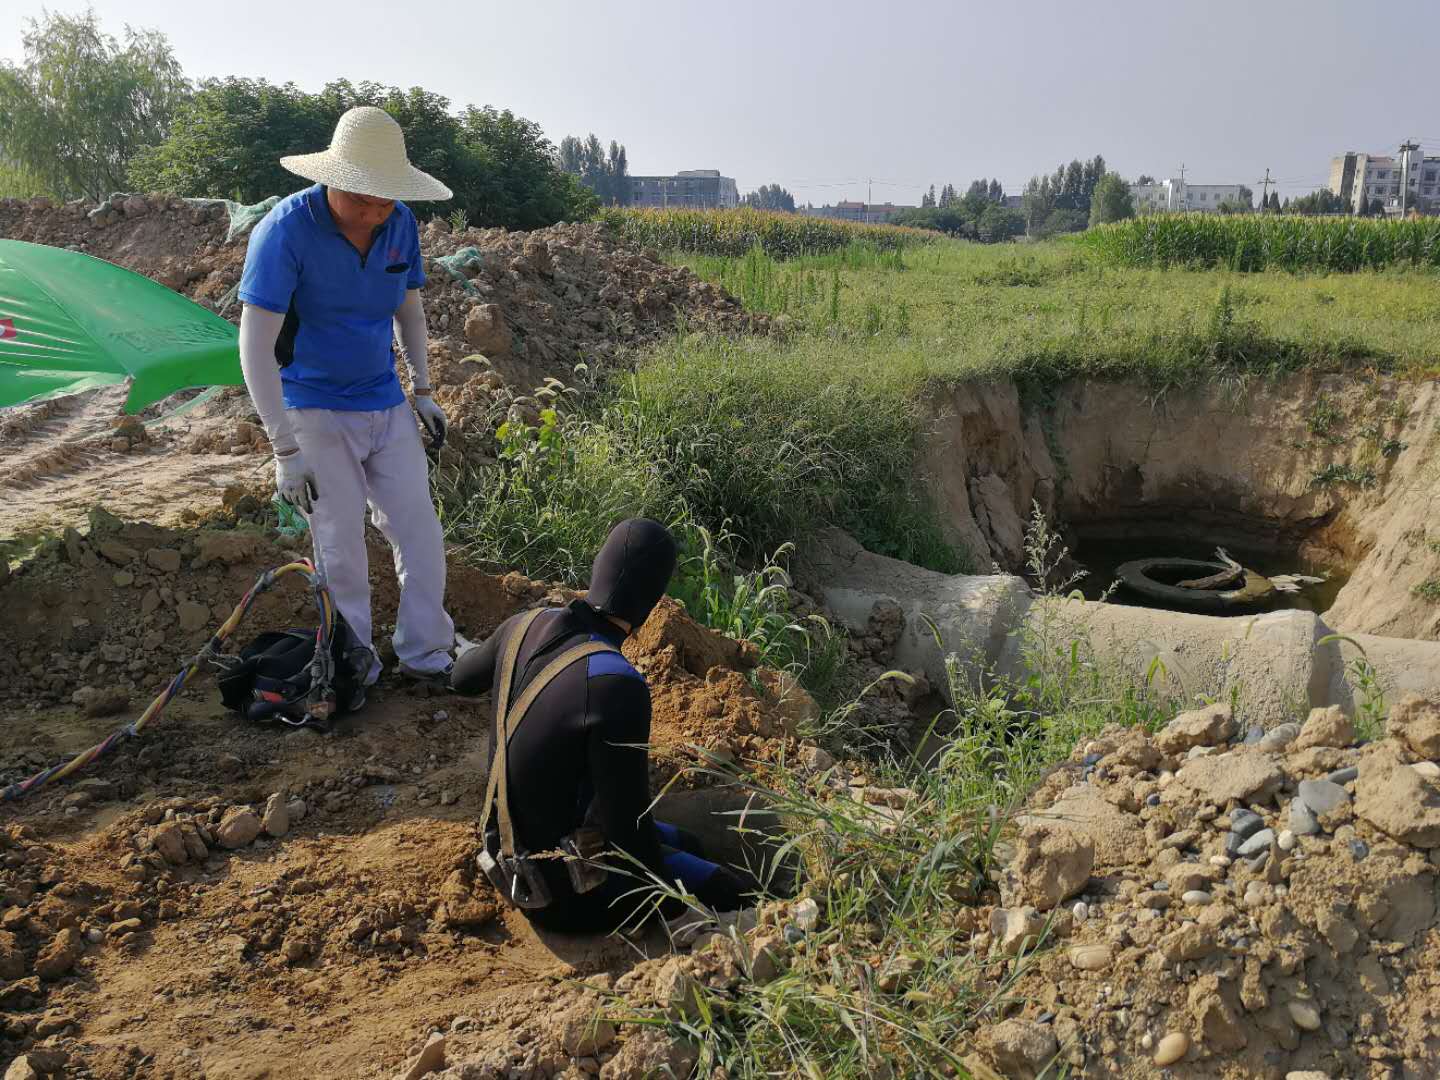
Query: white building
pixel 1180 195
pixel 1363 179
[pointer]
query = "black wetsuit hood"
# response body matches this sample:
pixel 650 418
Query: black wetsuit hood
pixel 632 570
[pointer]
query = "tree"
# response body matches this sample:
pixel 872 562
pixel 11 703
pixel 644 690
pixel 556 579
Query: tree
pixel 228 138
pixel 1143 179
pixel 998 224
pixel 1321 201
pixel 79 106
pixel 770 197
pixel 928 199
pixel 997 192
pixel 1111 200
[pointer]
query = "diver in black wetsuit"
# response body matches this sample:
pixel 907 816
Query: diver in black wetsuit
pixel 579 756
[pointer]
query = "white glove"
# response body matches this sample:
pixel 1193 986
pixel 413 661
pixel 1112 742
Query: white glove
pixel 295 481
pixel 433 417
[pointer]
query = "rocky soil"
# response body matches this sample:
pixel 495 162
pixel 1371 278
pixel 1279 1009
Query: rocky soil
pixel 1212 901
pixel 515 310
pixel 222 900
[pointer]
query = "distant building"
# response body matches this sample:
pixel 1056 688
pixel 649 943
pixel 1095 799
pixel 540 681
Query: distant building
pixel 1180 195
pixel 696 189
pixel 1013 202
pixel 1362 179
pixel 874 213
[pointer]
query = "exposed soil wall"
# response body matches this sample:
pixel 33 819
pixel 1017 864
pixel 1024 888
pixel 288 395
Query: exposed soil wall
pixel 1340 468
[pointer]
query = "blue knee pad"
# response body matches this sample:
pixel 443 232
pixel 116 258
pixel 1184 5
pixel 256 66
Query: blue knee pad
pixel 691 870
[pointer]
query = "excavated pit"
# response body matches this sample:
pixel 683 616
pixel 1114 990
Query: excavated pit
pixel 1328 475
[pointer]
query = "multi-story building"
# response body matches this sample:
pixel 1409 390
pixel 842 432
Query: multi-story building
pixel 696 189
pixel 1180 195
pixel 874 213
pixel 1364 179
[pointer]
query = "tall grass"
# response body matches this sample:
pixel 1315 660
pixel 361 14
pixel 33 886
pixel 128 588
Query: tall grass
pixel 1256 242
pixel 734 232
pixel 890 982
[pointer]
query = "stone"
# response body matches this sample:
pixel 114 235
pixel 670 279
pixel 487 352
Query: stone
pixel 123 579
pixel 166 560
pixel 53 1023
pixel 296 809
pixel 1197 897
pixel 1339 931
pixel 1415 722
pixel 1052 863
pixel 1306 1074
pixel 1021 1049
pixel 1245 776
pixel 1016 928
pixel 275 821
pixel 57 958
pixel 169 841
pixel 461 908
pixel 1245 823
pixel 1323 798
pixel 1305 1015
pixel 651 1052
pixel 238 828
pixel 583 1032
pixel 192 616
pixel 816 760
pixel 1397 800
pixel 1428 770
pixel 806 914
pixel 1302 821
pixel 1344 776
pixel 1172 1048
pixel 1091 957
pixel 1201 727
pixel 1286 840
pixel 431 1059
pixel 677 992
pixel 1280 737
pixel 1261 841
pixel 1326 727
pixel 485 329
pixel 22 1068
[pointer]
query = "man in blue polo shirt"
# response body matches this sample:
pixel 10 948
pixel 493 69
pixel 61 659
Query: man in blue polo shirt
pixel 332 275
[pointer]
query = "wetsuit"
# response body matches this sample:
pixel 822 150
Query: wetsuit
pixel 581 754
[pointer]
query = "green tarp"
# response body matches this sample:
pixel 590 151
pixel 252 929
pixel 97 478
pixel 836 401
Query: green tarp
pixel 69 322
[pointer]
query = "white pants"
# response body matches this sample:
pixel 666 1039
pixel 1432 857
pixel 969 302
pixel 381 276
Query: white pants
pixel 376 458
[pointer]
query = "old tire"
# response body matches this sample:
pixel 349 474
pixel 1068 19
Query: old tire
pixel 1139 576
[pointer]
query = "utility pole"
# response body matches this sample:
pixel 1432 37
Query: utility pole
pixel 1265 188
pixel 869 196
pixel 1405 149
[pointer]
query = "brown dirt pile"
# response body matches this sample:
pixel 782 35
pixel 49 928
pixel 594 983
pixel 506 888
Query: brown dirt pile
pixel 1257 908
pixel 237 901
pixel 527 307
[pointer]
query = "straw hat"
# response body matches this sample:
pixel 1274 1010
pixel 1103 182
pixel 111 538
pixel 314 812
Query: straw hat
pixel 367 157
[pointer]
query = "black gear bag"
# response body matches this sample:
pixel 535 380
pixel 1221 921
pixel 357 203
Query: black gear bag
pixel 273 676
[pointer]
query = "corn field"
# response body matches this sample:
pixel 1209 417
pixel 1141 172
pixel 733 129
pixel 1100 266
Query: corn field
pixel 1268 242
pixel 734 233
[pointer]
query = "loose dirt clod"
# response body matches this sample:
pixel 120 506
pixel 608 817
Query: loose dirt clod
pixel 1212 949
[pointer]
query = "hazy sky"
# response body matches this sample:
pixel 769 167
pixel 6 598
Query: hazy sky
pixel 821 96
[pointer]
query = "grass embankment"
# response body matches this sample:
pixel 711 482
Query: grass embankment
pixel 767 438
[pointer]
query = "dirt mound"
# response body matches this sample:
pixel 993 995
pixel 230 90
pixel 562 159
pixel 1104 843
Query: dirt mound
pixel 516 309
pixel 228 899
pixel 1228 905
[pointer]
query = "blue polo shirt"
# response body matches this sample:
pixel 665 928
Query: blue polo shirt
pixel 336 350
